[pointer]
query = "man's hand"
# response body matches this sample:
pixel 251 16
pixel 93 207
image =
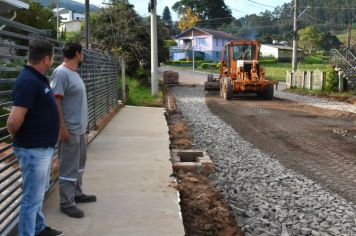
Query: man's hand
pixel 64 134
pixel 12 135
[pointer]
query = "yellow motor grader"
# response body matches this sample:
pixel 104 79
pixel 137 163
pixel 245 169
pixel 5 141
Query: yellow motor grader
pixel 241 72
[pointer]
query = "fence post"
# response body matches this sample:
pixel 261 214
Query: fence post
pixel 94 87
pixel 311 80
pixel 288 79
pixel 341 81
pixel 106 68
pixel 322 77
pixel 123 79
pixel 304 78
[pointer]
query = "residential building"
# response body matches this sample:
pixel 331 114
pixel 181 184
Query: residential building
pixel 206 42
pixel 66 15
pixel 70 26
pixel 278 51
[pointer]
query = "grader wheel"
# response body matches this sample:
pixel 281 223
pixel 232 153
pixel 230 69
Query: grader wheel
pixel 268 92
pixel 227 89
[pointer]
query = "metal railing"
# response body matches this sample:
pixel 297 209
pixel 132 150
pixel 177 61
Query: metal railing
pixel 100 74
pixel 346 63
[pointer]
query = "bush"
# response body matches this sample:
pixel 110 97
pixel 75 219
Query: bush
pixel 268 60
pixel 208 65
pixel 313 60
pixel 332 79
pixel 218 65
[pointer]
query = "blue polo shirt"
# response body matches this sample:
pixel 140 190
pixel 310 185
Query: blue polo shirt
pixel 41 124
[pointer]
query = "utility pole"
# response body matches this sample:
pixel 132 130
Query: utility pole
pixel 193 57
pixel 154 48
pixel 295 42
pixel 87 24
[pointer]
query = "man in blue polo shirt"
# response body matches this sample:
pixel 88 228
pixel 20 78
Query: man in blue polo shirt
pixel 34 126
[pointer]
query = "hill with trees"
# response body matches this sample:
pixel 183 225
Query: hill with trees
pixel 328 16
pixel 69 4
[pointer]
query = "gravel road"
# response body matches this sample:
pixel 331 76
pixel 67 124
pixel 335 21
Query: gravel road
pixel 317 102
pixel 266 198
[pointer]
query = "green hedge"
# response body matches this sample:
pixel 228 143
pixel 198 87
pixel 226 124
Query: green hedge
pixel 208 65
pixel 313 60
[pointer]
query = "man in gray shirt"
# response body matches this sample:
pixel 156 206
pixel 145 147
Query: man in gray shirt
pixel 69 90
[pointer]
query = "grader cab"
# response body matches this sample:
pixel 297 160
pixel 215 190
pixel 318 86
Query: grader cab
pixel 241 72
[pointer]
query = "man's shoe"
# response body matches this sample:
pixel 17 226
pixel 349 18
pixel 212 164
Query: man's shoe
pixel 73 211
pixel 85 198
pixel 48 231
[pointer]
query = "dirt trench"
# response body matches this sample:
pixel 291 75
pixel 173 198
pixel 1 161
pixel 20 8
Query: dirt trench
pixel 204 210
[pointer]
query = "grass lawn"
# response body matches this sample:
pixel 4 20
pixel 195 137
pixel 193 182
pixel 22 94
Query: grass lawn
pixel 140 95
pixel 343 37
pixel 277 71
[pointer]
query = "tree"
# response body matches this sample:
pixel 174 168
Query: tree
pixel 38 17
pixel 120 30
pixel 188 20
pixel 167 18
pixel 206 9
pixel 330 41
pixel 310 39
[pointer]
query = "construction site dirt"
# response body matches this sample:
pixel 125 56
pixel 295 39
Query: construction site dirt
pixel 203 207
pixel 318 143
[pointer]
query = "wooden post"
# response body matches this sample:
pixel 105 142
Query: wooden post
pixel 289 79
pixel 311 80
pixel 304 78
pixel 123 80
pixel 322 78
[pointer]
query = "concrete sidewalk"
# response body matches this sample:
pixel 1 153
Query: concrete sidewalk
pixel 128 168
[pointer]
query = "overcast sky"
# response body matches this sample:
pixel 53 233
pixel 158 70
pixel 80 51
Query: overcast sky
pixel 238 7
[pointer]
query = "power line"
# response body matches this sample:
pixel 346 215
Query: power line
pixel 262 4
pixel 253 28
pixel 335 8
pixel 323 21
pixel 239 11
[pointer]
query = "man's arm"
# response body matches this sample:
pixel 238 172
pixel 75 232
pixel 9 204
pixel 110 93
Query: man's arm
pixel 15 119
pixel 63 131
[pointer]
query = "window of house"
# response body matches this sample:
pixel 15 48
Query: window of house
pixel 201 41
pixel 217 42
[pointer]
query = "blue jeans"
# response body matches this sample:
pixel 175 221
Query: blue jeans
pixel 35 164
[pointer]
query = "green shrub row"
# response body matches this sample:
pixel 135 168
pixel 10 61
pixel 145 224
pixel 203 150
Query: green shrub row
pixel 211 65
pixel 313 60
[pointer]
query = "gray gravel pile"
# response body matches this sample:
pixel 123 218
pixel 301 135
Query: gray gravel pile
pixel 318 102
pixel 266 198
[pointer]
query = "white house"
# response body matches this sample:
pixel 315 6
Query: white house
pixel 66 15
pixel 279 52
pixel 206 42
pixel 70 26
